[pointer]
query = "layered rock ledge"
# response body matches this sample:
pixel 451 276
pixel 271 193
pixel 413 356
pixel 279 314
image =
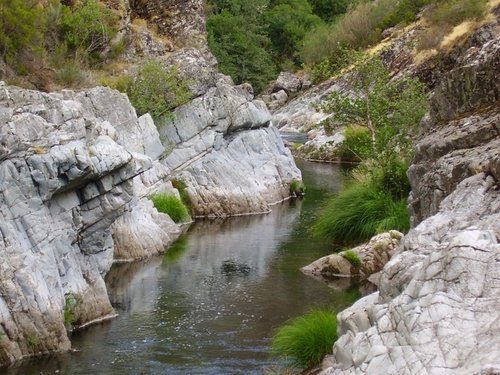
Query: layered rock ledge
pixel 76 174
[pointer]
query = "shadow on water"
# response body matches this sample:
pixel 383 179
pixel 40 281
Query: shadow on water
pixel 211 303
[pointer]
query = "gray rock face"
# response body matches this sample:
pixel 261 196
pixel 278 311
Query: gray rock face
pixel 224 149
pixel 67 164
pixel 458 141
pixel 437 309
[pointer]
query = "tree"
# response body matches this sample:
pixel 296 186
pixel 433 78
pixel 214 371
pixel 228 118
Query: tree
pixel 289 21
pixel 390 109
pixel 241 47
pixel 329 9
pixel 22 26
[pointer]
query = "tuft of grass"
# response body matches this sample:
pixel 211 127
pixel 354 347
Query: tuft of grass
pixel 71 302
pixel 306 339
pixel 359 212
pixel 33 340
pixel 352 257
pixel 297 188
pixel 172 206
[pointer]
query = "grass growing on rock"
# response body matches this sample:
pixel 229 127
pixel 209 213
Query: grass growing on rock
pixel 306 339
pixel 297 187
pixel 352 257
pixel 359 212
pixel 172 206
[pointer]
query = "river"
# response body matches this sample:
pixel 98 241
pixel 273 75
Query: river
pixel 211 303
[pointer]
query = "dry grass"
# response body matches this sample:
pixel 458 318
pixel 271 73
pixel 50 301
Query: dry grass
pixel 457 34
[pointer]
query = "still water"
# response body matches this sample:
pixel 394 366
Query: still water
pixel 211 303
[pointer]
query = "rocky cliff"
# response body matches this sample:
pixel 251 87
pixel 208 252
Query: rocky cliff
pixel 77 170
pixel 70 165
pixel 437 309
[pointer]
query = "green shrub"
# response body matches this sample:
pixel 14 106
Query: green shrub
pixel 306 339
pixel 33 340
pixel 360 211
pixel 172 206
pixel 71 302
pixel 22 26
pixel 357 145
pixel 157 91
pixel 88 27
pixel 352 257
pixel 71 73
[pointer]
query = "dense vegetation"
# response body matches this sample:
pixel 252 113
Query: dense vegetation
pixel 381 116
pixel 253 39
pixel 51 41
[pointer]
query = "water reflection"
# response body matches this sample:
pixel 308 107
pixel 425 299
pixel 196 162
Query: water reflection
pixel 210 304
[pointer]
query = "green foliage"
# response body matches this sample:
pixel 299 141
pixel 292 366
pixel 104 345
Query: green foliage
pixel 333 64
pixel 33 340
pixel 157 91
pixel 22 26
pixel 172 206
pixel 288 22
pixel 360 211
pixel 306 339
pixel 88 27
pixel 329 9
pixel 357 29
pixel 70 73
pixel 390 110
pixel 297 187
pixel 357 145
pixel 352 257
pixel 242 47
pixel 71 302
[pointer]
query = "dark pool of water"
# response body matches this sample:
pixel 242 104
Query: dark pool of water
pixel 211 303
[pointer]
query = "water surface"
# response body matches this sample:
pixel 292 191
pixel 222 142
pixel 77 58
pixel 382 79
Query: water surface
pixel 211 303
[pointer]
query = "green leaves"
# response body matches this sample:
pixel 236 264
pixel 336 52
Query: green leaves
pixel 391 110
pixel 22 26
pixel 241 47
pixel 156 90
pixel 90 26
